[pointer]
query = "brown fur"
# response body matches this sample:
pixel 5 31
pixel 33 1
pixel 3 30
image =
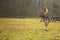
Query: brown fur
pixel 42 13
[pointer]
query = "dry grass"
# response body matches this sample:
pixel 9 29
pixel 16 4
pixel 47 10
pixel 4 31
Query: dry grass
pixel 27 29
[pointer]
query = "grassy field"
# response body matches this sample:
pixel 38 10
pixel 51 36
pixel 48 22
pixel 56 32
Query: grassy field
pixel 28 29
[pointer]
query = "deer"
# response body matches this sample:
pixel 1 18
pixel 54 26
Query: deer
pixel 46 20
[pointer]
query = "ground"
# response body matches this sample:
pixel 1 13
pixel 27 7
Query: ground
pixel 28 29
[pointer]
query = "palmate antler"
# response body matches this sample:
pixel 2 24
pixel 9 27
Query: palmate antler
pixel 42 12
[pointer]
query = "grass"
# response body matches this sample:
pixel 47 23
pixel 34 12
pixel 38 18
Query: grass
pixel 28 29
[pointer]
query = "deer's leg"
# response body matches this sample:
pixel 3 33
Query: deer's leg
pixel 46 25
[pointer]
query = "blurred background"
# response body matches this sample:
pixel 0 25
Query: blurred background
pixel 28 8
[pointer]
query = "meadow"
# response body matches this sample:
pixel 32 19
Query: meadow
pixel 28 29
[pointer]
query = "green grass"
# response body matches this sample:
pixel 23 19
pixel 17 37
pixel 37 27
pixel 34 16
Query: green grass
pixel 28 29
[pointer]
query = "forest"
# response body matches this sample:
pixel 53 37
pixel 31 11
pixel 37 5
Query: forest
pixel 28 8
